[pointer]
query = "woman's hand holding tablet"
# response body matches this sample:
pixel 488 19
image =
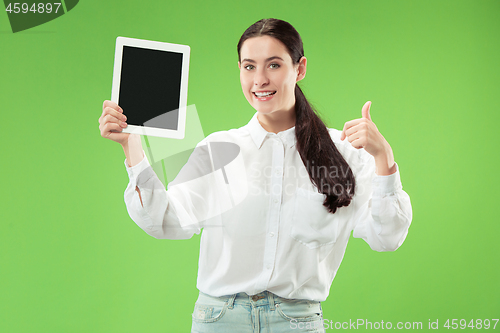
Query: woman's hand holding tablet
pixel 111 124
pixel 112 121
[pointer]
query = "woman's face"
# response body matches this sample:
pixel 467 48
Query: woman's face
pixel 268 76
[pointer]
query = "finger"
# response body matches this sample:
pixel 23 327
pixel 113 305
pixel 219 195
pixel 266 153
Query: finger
pixel 107 118
pixel 362 125
pixel 113 113
pixel 113 116
pixel 347 126
pixel 110 128
pixel 356 136
pixel 110 119
pixel 359 143
pixel 365 111
pixel 352 123
pixel 112 105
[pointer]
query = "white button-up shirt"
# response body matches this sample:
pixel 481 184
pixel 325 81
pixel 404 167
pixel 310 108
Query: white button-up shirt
pixel 264 223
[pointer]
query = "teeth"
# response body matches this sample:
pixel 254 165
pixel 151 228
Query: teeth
pixel 263 94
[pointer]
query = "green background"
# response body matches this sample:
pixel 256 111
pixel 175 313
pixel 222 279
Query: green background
pixel 73 261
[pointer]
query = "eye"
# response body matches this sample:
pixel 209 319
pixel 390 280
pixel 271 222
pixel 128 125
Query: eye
pixel 274 66
pixel 249 67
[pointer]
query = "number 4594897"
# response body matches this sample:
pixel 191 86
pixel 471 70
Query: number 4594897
pixel 36 8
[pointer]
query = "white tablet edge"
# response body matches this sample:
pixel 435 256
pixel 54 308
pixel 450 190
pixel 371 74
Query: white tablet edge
pixel 115 92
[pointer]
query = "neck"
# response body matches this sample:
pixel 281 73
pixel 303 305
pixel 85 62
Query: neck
pixel 277 121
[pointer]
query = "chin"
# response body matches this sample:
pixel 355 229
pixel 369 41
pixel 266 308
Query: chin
pixel 268 112
pixel 263 108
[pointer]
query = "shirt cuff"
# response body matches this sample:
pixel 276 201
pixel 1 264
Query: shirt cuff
pixel 134 171
pixel 383 185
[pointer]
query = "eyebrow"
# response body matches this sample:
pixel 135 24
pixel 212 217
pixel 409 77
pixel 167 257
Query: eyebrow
pixel 268 59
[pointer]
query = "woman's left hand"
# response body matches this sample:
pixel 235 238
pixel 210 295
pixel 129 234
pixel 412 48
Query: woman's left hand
pixel 362 133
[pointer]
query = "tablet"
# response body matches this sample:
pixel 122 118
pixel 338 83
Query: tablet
pixel 150 81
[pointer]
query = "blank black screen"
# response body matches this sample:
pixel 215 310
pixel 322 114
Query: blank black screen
pixel 150 87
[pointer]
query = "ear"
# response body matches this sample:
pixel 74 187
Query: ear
pixel 301 70
pixel 239 65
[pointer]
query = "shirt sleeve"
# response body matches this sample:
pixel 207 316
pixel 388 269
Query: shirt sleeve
pixel 383 210
pixel 157 216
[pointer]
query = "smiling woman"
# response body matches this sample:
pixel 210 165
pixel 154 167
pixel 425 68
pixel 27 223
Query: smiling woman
pixel 285 207
pixel 268 82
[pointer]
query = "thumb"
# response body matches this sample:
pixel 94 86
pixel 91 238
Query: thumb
pixel 365 112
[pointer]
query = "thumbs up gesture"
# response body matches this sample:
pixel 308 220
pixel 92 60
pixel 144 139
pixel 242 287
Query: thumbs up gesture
pixel 362 133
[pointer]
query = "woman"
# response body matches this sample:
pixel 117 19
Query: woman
pixel 268 260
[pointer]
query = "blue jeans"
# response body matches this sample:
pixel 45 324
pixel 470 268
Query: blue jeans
pixel 261 313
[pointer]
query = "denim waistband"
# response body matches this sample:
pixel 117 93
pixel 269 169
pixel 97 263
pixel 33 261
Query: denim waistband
pixel 260 299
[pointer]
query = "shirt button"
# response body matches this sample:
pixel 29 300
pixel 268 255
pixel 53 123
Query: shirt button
pixel 278 172
pixel 271 234
pixel 275 201
pixel 269 267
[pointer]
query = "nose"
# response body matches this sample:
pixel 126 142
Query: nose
pixel 260 78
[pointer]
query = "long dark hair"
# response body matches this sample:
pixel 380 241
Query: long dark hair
pixel 327 168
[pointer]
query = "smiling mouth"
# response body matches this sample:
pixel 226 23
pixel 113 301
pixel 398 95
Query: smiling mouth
pixel 263 94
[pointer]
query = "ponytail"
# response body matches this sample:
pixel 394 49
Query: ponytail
pixel 327 168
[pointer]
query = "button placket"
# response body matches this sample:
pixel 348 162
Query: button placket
pixel 271 242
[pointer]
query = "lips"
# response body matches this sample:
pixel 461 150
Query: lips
pixel 263 94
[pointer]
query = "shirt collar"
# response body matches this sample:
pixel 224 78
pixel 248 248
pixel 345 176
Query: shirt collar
pixel 259 134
